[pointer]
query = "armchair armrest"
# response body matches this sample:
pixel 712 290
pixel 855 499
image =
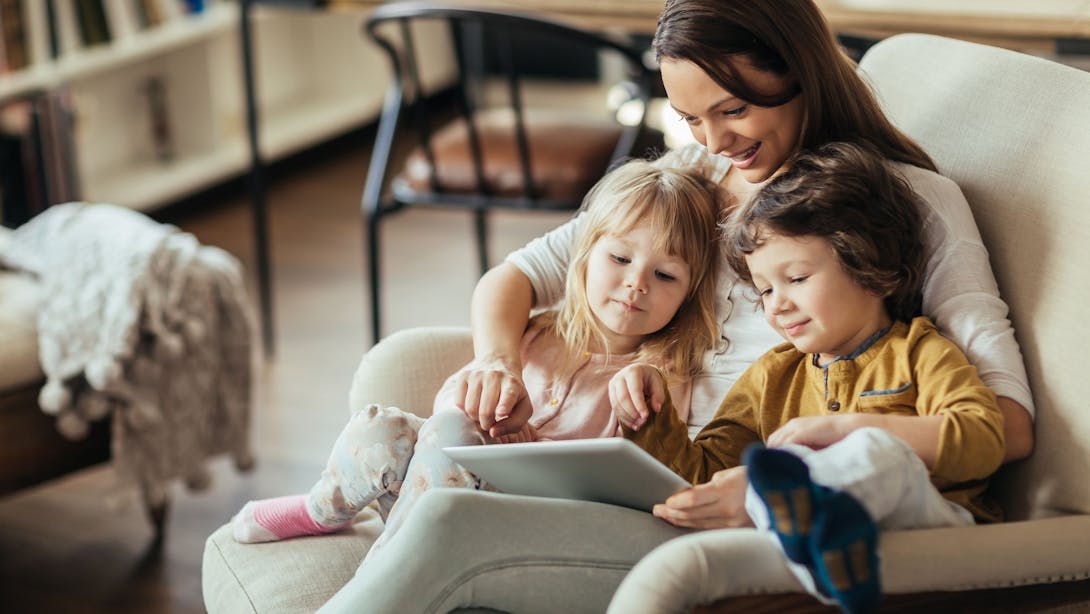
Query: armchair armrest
pixel 407 368
pixel 710 566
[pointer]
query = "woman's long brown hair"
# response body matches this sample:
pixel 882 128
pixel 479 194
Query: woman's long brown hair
pixel 791 39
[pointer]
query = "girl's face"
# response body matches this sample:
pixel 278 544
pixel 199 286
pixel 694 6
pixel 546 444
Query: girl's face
pixel 809 298
pixel 758 140
pixel 633 289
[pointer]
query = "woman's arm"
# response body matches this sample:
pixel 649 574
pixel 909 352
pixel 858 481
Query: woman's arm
pixel 1017 430
pixel 962 298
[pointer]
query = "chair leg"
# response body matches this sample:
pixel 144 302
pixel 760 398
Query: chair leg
pixel 373 274
pixel 481 225
pixel 157 514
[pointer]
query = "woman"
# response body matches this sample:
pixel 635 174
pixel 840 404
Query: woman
pixel 756 81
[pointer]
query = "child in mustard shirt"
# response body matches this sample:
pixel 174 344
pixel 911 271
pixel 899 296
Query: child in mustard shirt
pixel 872 418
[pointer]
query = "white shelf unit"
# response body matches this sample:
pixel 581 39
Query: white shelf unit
pixel 317 77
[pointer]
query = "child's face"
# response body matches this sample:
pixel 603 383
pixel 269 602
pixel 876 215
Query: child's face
pixel 633 289
pixel 809 298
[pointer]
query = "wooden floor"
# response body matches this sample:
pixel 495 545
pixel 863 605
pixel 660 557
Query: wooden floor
pixel 80 545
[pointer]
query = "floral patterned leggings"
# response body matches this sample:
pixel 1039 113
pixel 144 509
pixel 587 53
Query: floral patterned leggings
pixel 393 456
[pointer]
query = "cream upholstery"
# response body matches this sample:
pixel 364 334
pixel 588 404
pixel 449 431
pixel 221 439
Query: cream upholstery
pixel 404 370
pixel 1014 132
pixel 18 329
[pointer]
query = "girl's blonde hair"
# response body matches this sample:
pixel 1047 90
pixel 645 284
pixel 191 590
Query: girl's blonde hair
pixel 682 208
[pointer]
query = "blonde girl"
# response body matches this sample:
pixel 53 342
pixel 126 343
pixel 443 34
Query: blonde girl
pixel 640 288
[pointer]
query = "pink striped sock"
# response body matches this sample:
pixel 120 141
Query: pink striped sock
pixel 275 519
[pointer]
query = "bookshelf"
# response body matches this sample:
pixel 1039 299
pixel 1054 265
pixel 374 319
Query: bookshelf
pixel 159 109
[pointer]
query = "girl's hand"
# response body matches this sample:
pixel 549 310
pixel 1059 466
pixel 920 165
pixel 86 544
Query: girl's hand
pixel 717 504
pixel 491 390
pixel 634 392
pixel 814 432
pixel 526 435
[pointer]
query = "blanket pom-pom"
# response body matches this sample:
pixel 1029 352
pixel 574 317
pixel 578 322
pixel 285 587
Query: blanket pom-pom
pixel 199 479
pixel 195 330
pixel 171 344
pixel 244 461
pixel 72 426
pixel 94 406
pixel 102 370
pixel 54 397
pixel 143 414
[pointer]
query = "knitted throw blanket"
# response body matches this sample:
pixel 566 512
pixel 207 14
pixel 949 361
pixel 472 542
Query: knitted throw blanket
pixel 140 321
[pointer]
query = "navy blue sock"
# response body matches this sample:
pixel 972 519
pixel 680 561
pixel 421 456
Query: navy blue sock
pixel 844 553
pixel 783 483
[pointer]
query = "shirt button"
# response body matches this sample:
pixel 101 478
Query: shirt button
pixel 834 405
pixel 554 402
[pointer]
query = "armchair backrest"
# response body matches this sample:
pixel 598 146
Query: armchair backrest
pixel 1014 132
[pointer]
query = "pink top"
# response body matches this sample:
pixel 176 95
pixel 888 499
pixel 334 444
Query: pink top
pixel 573 407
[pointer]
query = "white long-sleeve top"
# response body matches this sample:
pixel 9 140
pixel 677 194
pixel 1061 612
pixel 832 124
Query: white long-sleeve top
pixel 959 293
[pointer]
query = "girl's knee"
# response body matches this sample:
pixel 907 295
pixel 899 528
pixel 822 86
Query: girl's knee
pixel 375 423
pixel 450 428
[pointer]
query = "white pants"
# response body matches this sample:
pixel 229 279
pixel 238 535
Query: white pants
pixel 884 474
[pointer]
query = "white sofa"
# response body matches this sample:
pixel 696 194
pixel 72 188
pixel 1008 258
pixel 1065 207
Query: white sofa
pixel 1014 132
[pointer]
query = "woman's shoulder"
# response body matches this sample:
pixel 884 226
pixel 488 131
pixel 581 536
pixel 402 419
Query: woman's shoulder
pixel 943 199
pixel 929 185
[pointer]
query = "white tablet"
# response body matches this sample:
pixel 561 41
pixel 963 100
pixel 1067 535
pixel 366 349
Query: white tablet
pixel 610 470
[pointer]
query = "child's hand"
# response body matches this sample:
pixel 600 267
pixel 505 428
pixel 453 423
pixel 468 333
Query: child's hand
pixel 634 392
pixel 717 504
pixel 490 391
pixel 814 432
pixel 527 434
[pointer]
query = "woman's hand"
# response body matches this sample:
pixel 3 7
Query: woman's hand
pixel 634 392
pixel 490 390
pixel 717 504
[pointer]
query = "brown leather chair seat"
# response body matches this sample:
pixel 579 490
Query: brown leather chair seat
pixel 568 151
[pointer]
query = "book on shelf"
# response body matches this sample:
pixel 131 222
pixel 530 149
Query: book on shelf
pixel 13 36
pixel 36 18
pixel 37 165
pixel 148 13
pixel 94 28
pixel 120 18
pixel 64 24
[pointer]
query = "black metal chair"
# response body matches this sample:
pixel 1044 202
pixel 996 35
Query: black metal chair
pixel 476 157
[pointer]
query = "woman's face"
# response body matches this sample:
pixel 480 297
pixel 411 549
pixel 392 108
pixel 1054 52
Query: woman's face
pixel 758 140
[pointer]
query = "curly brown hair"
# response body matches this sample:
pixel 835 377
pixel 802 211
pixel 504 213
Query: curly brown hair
pixel 847 194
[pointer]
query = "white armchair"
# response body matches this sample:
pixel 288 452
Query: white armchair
pixel 1014 132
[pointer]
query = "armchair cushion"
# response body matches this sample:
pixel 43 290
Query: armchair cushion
pixel 404 370
pixel 19 364
pixel 18 329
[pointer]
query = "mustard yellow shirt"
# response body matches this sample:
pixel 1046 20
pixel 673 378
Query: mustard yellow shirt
pixel 910 370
